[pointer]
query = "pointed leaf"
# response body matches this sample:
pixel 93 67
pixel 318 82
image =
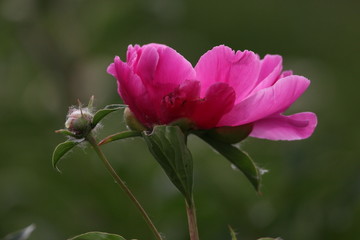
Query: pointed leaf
pixel 23 234
pixel 120 135
pixel 61 150
pixel 91 102
pixel 100 114
pixel 237 157
pixel 167 144
pixel 97 236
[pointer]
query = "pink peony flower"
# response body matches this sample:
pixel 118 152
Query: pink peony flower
pixel 226 88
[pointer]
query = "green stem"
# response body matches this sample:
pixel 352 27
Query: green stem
pixel 123 186
pixel 191 214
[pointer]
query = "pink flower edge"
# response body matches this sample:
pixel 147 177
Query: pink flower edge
pixel 279 127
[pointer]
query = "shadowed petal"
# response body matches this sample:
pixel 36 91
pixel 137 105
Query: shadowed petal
pixel 219 99
pixel 181 102
pixel 279 127
pixel 266 101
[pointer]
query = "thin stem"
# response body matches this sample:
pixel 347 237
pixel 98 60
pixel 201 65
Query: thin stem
pixel 123 186
pixel 191 214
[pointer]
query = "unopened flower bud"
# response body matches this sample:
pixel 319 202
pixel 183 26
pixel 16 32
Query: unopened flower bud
pixel 79 122
pixel 132 122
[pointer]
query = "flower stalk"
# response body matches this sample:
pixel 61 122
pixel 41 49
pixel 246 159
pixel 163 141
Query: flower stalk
pixel 192 222
pixel 122 185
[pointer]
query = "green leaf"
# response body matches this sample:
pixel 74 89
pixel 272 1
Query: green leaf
pixel 232 233
pixel 97 236
pixel 23 234
pixel 120 135
pixel 115 106
pixel 168 146
pixel 100 114
pixel 237 157
pixel 61 150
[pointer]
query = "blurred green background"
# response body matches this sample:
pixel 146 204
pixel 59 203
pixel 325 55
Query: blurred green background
pixel 54 52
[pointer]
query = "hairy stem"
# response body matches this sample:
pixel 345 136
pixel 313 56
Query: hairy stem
pixel 191 214
pixel 123 186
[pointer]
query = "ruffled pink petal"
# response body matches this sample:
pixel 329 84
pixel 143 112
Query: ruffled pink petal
pixel 271 67
pixel 111 68
pixel 158 69
pixel 172 68
pixel 279 127
pixel 132 55
pixel 132 91
pixel 219 99
pixel 221 64
pixel 286 74
pixel 266 101
pixel 146 65
pixel 161 68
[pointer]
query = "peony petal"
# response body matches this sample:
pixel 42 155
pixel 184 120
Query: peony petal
pixel 111 69
pixel 271 67
pixel 132 55
pixel 286 73
pixel 266 101
pixel 279 127
pixel 146 65
pixel 152 72
pixel 163 68
pixel 172 68
pixel 132 91
pixel 219 99
pixel 221 64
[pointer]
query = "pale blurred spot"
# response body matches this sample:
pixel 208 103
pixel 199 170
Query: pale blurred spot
pixel 321 88
pixel 90 78
pixel 340 218
pixel 162 186
pixel 17 10
pixel 41 97
pixel 167 11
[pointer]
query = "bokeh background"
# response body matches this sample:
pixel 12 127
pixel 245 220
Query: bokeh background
pixel 54 52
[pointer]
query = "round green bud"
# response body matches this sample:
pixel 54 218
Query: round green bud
pixel 132 122
pixel 79 122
